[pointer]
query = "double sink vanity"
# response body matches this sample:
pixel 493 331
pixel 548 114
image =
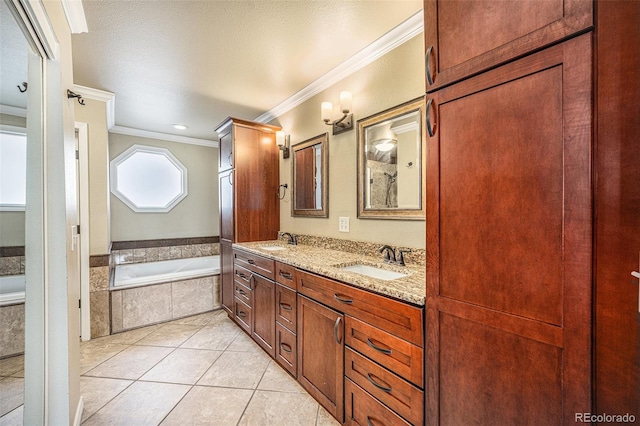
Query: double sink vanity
pixel 348 327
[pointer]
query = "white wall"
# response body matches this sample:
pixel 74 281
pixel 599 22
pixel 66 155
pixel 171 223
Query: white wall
pixel 393 79
pixel 195 216
pixel 12 223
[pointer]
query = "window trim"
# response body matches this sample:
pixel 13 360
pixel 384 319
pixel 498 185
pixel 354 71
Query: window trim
pixel 22 131
pixel 130 152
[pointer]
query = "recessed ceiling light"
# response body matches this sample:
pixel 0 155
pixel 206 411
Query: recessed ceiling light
pixel 180 127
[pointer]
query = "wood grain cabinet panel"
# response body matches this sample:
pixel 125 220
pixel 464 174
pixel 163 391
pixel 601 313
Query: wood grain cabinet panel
pixel 264 319
pixel 395 392
pixel 364 410
pixel 287 349
pixel 509 238
pixel 466 37
pixel 389 351
pixel 254 263
pixel 226 276
pixel 286 275
pixel 398 318
pixel 321 354
pixel 243 315
pixel 286 307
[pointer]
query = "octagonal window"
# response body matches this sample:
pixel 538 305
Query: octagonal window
pixel 148 179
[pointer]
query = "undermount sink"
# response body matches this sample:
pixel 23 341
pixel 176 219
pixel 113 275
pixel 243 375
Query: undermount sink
pixel 272 248
pixel 374 272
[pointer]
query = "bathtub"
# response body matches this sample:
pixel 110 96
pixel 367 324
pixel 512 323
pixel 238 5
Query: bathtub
pixel 12 289
pixel 140 274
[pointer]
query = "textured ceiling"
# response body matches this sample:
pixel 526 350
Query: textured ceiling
pixel 197 62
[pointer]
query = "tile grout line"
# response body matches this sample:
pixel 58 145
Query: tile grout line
pixel 253 394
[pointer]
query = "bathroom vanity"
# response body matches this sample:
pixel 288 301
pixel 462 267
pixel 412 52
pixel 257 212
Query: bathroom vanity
pixel 341 323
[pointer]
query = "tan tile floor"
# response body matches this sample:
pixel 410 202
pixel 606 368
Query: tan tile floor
pixel 201 370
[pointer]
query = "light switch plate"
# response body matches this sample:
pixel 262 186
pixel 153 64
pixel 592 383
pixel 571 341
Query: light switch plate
pixel 343 224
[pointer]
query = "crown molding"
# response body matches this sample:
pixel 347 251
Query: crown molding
pixel 102 96
pixel 163 136
pixel 404 32
pixel 11 110
pixel 74 12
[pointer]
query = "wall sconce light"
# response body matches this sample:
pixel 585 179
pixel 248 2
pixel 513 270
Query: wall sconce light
pixel 344 123
pixel 282 141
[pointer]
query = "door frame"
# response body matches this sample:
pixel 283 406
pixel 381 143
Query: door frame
pixel 83 219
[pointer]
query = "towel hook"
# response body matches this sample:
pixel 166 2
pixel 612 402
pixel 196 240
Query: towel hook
pixel 71 95
pixel 25 84
pixel 284 193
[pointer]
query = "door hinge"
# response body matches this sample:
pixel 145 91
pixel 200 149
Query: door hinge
pixel 78 229
pixel 77 154
pixel 79 303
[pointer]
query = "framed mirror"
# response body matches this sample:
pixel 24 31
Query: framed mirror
pixel 391 163
pixel 310 174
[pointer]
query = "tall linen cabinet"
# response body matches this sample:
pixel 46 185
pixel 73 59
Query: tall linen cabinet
pixel 248 173
pixel 533 179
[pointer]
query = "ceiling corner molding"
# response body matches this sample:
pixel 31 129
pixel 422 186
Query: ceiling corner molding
pixel 11 110
pixel 74 12
pixel 402 33
pixel 163 136
pixel 102 96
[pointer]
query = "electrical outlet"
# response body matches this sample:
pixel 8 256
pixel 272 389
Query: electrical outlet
pixel 343 224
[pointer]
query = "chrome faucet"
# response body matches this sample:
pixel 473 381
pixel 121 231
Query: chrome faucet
pixel 389 253
pixel 293 239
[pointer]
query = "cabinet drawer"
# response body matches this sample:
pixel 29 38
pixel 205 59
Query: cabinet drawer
pixel 286 275
pixel 364 410
pixel 286 307
pixel 286 349
pixel 253 262
pixel 243 315
pixel 398 394
pixel 242 293
pixel 242 275
pixel 398 318
pixel 399 356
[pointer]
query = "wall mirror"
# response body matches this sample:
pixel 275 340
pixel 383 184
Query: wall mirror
pixel 391 160
pixel 310 167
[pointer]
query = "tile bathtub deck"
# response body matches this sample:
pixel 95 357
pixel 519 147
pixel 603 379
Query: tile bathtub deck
pixel 198 370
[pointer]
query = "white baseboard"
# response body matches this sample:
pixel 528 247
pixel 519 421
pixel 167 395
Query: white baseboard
pixel 79 410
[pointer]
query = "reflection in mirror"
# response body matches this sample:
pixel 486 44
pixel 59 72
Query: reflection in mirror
pixel 14 51
pixel 391 161
pixel 309 170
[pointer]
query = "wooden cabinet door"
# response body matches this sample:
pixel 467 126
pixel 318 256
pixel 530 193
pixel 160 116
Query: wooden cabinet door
pixel 264 317
pixel 321 354
pixel 256 178
pixel 509 243
pixel 226 276
pixel 617 166
pixel 465 37
pixel 225 149
pixel 226 205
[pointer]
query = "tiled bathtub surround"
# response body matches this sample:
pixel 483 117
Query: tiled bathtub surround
pixel 12 260
pixel 414 257
pixel 155 250
pixel 12 330
pixel 141 306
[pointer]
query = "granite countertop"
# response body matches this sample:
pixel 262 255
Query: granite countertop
pixel 328 262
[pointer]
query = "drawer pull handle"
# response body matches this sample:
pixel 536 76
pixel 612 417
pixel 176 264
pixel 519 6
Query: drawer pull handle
pixel 431 128
pixel 335 330
pixel 427 59
pixel 241 291
pixel 378 348
pixel 242 275
pixel 285 307
pixel 286 348
pixel 285 275
pixel 341 300
pixel 251 261
pixel 241 314
pixel 386 389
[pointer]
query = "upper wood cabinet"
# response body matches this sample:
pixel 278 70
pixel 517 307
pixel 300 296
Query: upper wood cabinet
pixel 465 37
pixel 249 194
pixel 509 242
